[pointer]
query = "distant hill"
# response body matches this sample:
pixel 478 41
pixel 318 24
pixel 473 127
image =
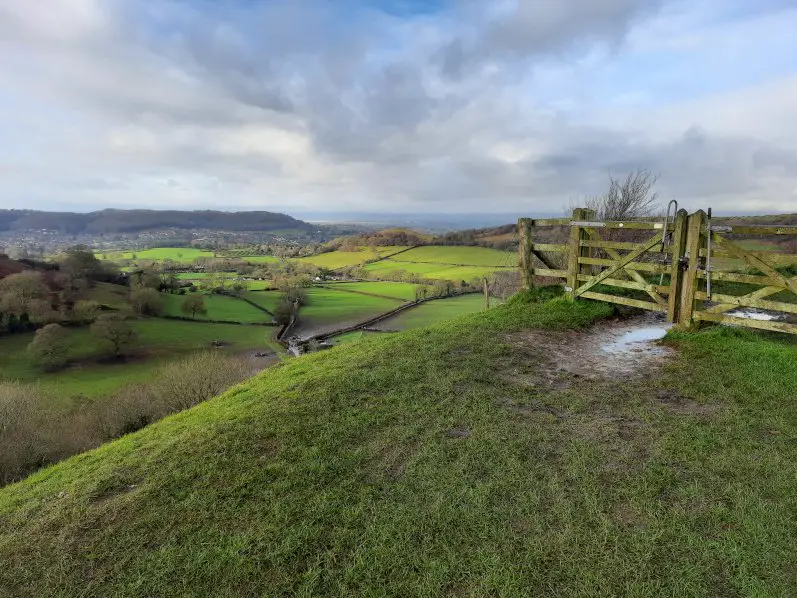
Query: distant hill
pixel 131 221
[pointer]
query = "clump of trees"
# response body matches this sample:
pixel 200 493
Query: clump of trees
pixel 32 435
pixel 628 198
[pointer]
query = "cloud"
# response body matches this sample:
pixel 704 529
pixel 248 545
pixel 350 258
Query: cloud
pixel 508 106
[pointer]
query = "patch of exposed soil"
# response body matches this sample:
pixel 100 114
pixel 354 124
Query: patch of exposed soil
pixel 616 348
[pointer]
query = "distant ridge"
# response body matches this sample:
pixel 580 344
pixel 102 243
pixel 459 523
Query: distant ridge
pixel 131 221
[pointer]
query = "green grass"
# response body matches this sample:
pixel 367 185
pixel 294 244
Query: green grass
pixel 435 311
pixel 397 290
pixel 184 255
pixel 334 309
pixel 459 256
pixel 158 341
pixel 219 308
pixel 444 461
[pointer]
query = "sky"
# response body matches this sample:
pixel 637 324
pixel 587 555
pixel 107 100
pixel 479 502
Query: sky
pixel 399 106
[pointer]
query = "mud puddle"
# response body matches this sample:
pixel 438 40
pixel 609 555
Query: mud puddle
pixel 625 347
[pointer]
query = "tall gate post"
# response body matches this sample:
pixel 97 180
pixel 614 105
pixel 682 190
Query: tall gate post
pixel 577 234
pixel 526 270
pixel 695 241
pixel 676 270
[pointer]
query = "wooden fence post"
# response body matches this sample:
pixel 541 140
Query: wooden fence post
pixel 575 251
pixel 676 271
pixel 487 293
pixel 526 268
pixel 695 241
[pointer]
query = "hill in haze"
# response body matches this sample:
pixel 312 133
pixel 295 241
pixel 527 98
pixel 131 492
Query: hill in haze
pixel 131 221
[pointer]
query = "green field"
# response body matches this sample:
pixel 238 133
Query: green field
pixel 396 290
pixel 435 311
pixel 184 255
pixel 459 256
pixel 219 307
pixel 329 309
pixel 158 341
pixel 266 299
pixel 432 271
pixel 453 460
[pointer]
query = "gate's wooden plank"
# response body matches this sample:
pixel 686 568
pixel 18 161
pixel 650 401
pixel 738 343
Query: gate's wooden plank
pixel 759 324
pixel 746 301
pixel 759 294
pixel 649 305
pixel 639 266
pixel 776 278
pixel 551 222
pixel 736 277
pixel 549 272
pixel 618 265
pixel 524 231
pixel 627 225
pixel 629 284
pixel 781 259
pixel 757 230
pixel 616 245
pixel 549 247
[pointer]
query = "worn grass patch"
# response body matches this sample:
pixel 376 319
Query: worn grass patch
pixel 439 461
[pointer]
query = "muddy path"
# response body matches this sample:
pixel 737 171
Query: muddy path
pixel 615 348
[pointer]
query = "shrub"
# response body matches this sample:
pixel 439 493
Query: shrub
pixel 146 301
pixel 194 379
pixel 85 311
pixel 49 347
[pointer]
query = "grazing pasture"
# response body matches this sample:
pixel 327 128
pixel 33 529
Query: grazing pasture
pixel 396 290
pixel 219 307
pixel 459 256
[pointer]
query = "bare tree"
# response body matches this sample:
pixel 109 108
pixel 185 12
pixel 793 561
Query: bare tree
pixel 632 197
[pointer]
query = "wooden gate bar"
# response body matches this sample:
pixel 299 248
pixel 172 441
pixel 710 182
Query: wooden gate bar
pixel 649 305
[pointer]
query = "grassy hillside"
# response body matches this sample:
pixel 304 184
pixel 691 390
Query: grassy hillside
pixel 183 255
pixel 451 461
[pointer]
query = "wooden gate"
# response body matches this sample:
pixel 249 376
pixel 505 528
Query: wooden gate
pixel 685 268
pixel 735 267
